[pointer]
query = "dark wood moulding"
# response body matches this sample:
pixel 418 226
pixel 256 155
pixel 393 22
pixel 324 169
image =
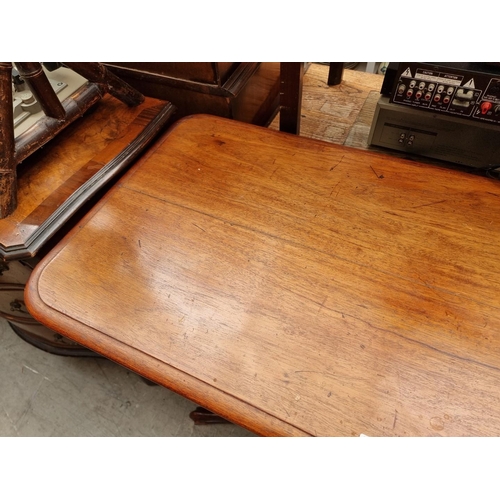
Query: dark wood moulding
pixel 23 233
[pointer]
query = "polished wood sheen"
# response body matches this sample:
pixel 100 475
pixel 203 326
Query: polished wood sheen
pixel 55 182
pixel 292 286
pixel 57 115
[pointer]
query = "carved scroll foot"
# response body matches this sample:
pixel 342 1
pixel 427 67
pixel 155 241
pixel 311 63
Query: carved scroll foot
pixel 201 416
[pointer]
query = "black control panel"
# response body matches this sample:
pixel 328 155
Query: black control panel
pixel 468 90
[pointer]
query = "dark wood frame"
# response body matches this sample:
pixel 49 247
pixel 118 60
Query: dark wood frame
pixel 84 193
pixel 291 78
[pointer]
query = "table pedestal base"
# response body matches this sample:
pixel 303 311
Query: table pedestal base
pixel 201 416
pixel 53 343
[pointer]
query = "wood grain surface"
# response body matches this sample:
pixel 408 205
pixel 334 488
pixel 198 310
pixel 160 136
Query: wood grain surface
pixel 48 177
pixel 293 286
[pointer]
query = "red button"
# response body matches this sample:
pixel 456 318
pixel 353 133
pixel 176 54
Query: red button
pixel 485 107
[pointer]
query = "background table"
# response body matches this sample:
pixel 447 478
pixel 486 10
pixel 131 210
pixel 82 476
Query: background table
pixel 292 286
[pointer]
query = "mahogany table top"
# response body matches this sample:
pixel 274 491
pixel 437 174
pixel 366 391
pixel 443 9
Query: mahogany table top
pixel 293 286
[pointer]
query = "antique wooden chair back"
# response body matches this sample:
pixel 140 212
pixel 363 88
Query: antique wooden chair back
pixel 57 115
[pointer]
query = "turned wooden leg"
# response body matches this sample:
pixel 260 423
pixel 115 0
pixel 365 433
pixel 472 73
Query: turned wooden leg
pixel 335 73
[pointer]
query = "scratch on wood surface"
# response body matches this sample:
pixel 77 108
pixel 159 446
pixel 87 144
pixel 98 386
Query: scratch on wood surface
pixel 434 290
pixel 322 304
pixel 200 228
pixel 337 164
pixel 429 204
pixel 381 176
pixel 316 371
pixel 284 408
pixel 395 418
pixel 333 189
